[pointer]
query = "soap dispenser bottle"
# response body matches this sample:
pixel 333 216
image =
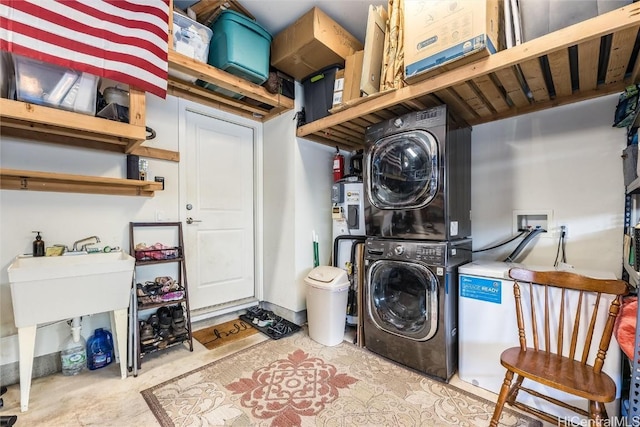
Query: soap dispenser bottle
pixel 38 245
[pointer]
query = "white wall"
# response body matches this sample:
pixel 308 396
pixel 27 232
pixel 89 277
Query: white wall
pixel 64 218
pixel 297 201
pixel 314 178
pixel 565 160
pixel 279 211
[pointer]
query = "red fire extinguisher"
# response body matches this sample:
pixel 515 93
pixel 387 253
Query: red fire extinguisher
pixel 338 166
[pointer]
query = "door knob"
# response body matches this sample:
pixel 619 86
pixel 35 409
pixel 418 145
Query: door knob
pixel 191 220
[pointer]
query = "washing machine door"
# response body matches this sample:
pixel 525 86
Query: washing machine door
pixel 403 299
pixel 403 170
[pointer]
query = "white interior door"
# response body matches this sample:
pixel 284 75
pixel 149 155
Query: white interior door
pixel 219 210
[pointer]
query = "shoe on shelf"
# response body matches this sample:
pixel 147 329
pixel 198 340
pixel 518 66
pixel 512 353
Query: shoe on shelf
pixel 172 296
pixel 147 334
pixel 162 280
pixel 164 315
pixel 144 300
pixel 178 327
pixel 154 321
pixel 177 312
pixel 165 334
pixel 152 288
pixel 141 290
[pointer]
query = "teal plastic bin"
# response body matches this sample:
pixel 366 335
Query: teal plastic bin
pixel 240 47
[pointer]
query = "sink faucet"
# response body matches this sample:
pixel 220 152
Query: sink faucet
pixel 86 241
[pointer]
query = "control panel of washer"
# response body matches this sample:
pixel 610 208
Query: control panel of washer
pixel 431 254
pixel 434 254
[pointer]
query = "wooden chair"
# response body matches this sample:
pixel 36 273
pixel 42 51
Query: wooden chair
pixel 559 364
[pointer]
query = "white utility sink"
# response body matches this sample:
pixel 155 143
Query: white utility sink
pixel 50 289
pixel 46 289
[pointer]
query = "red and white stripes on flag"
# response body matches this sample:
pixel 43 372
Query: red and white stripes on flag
pixel 123 40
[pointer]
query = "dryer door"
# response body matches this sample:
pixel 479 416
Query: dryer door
pixel 402 170
pixel 403 299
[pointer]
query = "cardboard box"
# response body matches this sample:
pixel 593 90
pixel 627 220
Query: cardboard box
pixel 312 43
pixel 352 76
pixel 438 32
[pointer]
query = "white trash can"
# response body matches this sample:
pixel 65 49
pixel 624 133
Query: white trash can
pixel 327 290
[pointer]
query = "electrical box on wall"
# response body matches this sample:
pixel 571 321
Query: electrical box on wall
pixel 530 219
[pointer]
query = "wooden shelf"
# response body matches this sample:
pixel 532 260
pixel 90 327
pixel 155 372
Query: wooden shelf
pixel 256 104
pixel 586 60
pixel 11 179
pixel 45 124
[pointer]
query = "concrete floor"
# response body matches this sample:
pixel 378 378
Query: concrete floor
pixel 100 397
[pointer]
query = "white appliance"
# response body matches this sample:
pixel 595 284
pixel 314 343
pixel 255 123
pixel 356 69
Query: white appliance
pixel 347 197
pixel 348 216
pixel 487 327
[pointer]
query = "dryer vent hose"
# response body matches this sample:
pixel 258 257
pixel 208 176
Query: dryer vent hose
pixel 533 233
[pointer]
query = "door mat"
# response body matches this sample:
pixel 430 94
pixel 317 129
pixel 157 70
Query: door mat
pixel 224 333
pixel 270 324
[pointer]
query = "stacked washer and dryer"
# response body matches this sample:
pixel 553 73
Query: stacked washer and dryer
pixel 417 178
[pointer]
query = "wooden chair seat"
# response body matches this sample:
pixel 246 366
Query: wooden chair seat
pixel 560 310
pixel 560 372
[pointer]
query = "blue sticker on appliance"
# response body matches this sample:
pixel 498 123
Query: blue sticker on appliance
pixel 489 290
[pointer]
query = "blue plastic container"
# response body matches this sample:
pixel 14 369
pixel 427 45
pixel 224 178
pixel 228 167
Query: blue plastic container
pixel 240 47
pixel 99 349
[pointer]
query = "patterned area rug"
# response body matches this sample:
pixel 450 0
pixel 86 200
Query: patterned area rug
pixel 298 382
pixel 224 333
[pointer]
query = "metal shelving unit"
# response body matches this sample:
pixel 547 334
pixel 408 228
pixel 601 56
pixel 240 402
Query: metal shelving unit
pixel 136 350
pixel 630 405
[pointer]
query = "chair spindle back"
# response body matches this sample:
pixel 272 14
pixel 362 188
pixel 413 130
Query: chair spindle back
pixel 551 321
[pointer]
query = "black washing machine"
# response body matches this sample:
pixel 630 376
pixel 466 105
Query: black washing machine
pixel 410 302
pixel 417 176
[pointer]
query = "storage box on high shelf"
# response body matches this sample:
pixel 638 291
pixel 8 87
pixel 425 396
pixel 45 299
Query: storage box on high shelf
pixel 191 39
pixel 54 86
pixel 313 42
pixel 440 33
pixel 240 47
pixel 352 76
pixel 234 72
pixel 318 93
pixel 163 301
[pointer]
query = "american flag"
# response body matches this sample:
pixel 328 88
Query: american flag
pixel 122 40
